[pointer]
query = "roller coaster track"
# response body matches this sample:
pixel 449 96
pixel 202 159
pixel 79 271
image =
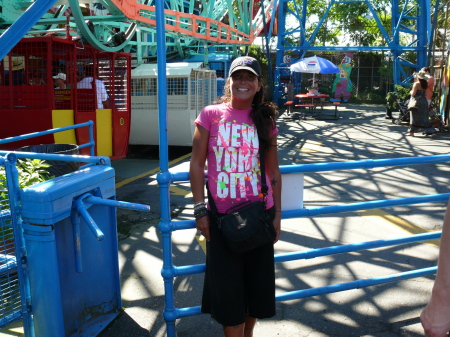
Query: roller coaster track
pixel 215 23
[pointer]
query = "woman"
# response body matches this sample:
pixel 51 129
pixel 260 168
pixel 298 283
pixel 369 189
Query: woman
pixel 435 317
pixel 238 289
pixel 419 120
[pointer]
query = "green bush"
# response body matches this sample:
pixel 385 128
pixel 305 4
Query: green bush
pixel 30 172
pixel 401 93
pixel 372 97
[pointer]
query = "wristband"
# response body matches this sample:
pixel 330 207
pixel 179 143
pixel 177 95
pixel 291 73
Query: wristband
pixel 200 211
pixel 200 214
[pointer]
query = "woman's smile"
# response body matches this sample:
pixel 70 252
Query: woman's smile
pixel 244 85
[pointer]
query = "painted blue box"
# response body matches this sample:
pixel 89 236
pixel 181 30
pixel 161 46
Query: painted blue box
pixel 66 302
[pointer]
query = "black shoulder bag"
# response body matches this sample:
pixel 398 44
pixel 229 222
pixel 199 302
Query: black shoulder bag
pixel 250 226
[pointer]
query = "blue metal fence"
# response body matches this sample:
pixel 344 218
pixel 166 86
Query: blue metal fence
pixel 91 160
pixel 167 226
pixel 15 296
pixel 14 284
pixel 169 271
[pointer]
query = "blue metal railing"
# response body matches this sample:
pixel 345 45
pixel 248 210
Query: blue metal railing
pixel 89 124
pixel 170 271
pixel 17 304
pixel 14 288
pixel 90 160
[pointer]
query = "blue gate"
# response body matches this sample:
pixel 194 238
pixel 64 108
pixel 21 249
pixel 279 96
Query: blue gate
pixel 170 271
pixel 14 285
pixel 56 237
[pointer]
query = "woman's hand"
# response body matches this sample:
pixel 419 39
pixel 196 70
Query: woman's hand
pixel 202 225
pixel 435 317
pixel 277 226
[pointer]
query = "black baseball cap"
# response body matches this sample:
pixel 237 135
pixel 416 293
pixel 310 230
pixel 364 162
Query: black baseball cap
pixel 246 63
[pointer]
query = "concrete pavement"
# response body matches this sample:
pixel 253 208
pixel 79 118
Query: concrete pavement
pixel 360 133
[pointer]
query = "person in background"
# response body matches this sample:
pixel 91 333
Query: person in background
pixel 87 83
pixel 60 81
pixel 237 289
pixel 419 119
pixel 430 87
pixel 435 317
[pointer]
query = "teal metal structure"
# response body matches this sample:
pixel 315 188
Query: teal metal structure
pixel 193 27
pixel 410 29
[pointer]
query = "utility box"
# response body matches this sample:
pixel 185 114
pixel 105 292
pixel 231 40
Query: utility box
pixel 74 274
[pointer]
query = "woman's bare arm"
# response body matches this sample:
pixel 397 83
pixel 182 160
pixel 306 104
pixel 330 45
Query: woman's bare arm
pixel 435 318
pixel 415 88
pixel 273 172
pixel 197 173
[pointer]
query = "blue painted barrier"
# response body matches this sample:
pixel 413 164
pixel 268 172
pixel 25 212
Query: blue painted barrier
pixel 70 233
pixel 169 271
pixel 62 301
pixel 66 239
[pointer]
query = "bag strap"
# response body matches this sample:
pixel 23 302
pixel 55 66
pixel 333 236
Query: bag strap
pixel 264 187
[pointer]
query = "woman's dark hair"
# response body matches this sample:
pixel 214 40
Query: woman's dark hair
pixel 423 83
pixel 263 113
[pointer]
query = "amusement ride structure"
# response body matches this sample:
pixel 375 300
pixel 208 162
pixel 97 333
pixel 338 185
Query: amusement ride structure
pixel 193 26
pixel 210 29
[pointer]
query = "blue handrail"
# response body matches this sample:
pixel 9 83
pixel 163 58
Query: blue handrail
pixel 90 160
pixel 169 271
pixel 89 124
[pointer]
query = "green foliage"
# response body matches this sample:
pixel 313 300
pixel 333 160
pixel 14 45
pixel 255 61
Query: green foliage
pixel 385 69
pixel 354 21
pixel 391 97
pixel 325 87
pixel 30 172
pixel 401 94
pixel 373 97
pixel 259 54
pixel 390 100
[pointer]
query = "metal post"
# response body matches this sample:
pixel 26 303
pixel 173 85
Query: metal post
pixel 163 178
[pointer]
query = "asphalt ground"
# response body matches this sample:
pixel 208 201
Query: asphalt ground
pixel 360 133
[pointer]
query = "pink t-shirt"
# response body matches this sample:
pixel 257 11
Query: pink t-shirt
pixel 233 170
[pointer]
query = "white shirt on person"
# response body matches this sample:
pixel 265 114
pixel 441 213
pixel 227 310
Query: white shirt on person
pixel 102 95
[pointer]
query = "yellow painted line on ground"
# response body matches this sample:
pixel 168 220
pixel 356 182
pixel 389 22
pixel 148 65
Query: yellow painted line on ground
pixel 151 172
pixel 310 146
pixel 174 190
pixel 380 216
pixel 202 242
